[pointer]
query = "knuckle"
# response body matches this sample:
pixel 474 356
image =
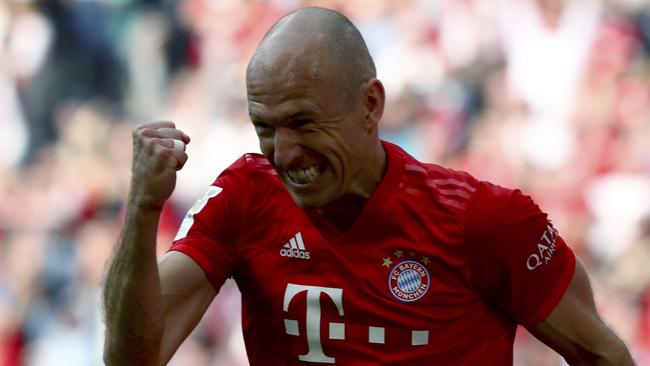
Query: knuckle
pixel 172 162
pixel 149 132
pixel 178 159
pixel 141 127
pixel 150 142
pixel 163 152
pixel 141 132
pixel 154 146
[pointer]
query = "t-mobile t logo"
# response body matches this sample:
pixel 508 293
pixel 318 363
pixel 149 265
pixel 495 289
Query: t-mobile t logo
pixel 336 330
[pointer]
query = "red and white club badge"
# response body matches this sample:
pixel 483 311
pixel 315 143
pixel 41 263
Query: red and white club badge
pixel 408 281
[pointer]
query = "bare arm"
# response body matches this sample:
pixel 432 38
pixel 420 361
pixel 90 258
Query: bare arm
pixel 145 303
pixel 575 330
pixel 186 295
pixel 132 295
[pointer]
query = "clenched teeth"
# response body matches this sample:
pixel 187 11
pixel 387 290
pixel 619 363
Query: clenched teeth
pixel 304 176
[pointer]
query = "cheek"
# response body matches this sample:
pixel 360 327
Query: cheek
pixel 266 146
pixel 343 157
pixel 351 141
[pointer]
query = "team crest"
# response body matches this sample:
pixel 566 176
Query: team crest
pixel 408 281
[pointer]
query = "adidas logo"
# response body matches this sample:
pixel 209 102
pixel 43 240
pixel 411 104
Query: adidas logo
pixel 295 248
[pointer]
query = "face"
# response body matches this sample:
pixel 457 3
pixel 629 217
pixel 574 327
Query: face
pixel 314 143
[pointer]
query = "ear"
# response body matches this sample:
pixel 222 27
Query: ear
pixel 373 99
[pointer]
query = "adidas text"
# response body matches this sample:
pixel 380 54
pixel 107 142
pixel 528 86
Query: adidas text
pixel 294 253
pixel 295 248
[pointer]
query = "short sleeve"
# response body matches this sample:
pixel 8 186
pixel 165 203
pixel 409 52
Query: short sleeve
pixel 208 232
pixel 518 261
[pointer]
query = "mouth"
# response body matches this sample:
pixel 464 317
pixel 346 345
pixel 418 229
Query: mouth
pixel 305 177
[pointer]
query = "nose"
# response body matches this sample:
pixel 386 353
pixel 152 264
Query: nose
pixel 287 151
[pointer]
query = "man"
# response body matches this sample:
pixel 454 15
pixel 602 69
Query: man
pixel 346 249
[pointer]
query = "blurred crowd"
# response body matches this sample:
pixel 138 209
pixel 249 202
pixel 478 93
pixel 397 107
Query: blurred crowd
pixel 549 96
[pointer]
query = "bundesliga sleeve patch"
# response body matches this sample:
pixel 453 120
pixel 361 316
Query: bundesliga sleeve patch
pixel 188 220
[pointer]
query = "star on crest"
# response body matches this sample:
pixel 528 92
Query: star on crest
pixel 425 261
pixel 398 254
pixel 387 262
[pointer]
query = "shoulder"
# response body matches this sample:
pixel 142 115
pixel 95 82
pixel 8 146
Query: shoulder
pixel 446 176
pixel 481 207
pixel 250 167
pixel 460 190
pixel 417 172
pixel 250 163
pixel 250 178
pixel 447 187
pixel 493 204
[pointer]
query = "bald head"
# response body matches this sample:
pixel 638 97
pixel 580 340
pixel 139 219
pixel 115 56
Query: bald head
pixel 316 43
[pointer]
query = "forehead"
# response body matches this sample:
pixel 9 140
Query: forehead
pixel 290 72
pixel 278 109
pixel 281 91
pixel 286 68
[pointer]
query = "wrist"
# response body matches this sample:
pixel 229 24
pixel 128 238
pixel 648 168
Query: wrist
pixel 145 203
pixel 142 209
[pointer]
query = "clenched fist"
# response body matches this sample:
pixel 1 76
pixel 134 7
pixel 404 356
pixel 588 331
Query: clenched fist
pixel 158 152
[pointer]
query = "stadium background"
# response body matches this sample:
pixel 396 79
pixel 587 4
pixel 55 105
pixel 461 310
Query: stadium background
pixel 550 96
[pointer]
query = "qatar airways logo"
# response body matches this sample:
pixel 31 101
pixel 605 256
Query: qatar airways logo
pixel 546 246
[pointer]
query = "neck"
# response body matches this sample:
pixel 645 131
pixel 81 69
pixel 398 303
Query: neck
pixel 343 212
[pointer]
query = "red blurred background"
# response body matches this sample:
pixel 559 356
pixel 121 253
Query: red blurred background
pixel 549 96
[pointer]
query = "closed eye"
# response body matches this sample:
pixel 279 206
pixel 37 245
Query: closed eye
pixel 302 123
pixel 262 129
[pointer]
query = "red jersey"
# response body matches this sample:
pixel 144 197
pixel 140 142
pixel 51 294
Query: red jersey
pixel 438 269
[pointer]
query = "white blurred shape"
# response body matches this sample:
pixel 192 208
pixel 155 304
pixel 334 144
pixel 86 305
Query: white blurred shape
pixel 14 137
pixel 29 41
pixel 214 148
pixel 146 63
pixel 458 37
pixel 544 62
pixel 618 203
pixel 4 22
pixel 546 143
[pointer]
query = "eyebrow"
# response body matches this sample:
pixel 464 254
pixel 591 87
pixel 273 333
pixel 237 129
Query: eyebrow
pixel 295 115
pixel 303 113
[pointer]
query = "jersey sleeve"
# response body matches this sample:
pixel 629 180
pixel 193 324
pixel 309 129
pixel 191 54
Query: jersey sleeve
pixel 517 259
pixel 209 231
